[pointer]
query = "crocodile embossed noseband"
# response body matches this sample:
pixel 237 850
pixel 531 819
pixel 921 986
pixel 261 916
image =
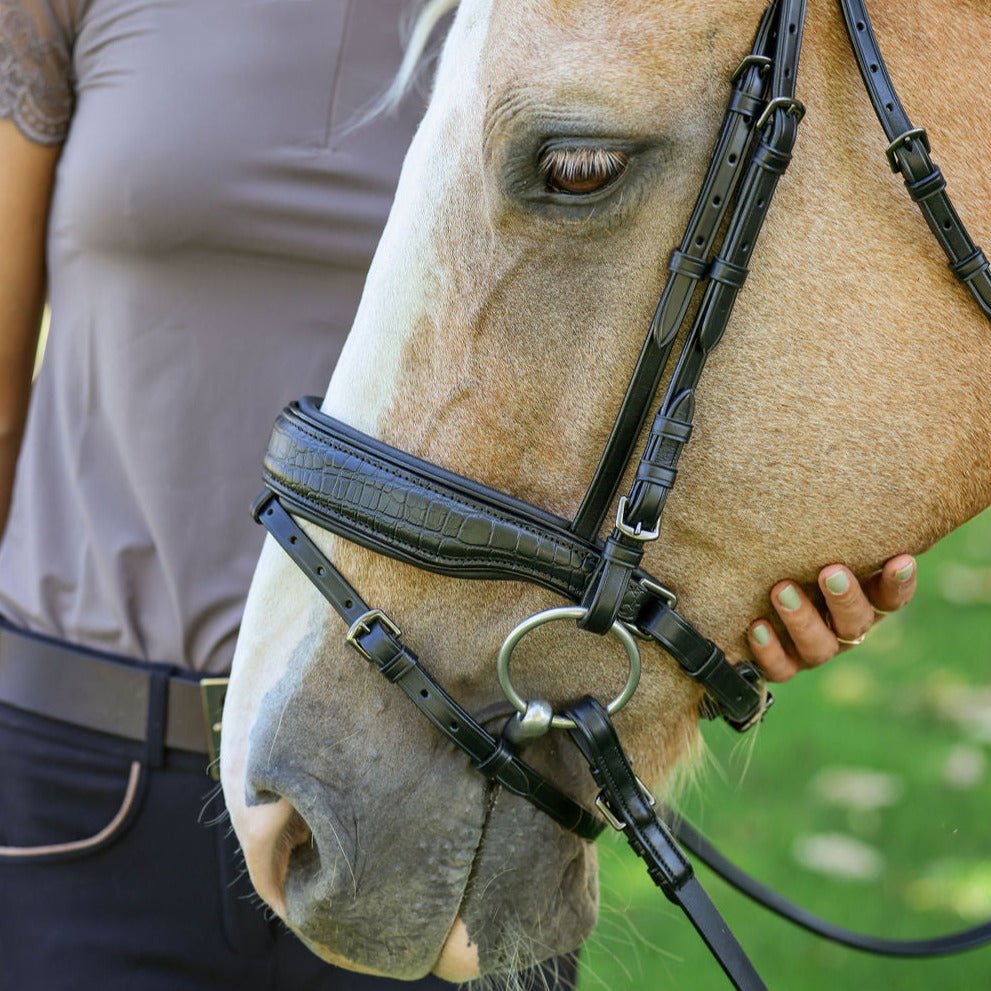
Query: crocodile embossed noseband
pixel 391 502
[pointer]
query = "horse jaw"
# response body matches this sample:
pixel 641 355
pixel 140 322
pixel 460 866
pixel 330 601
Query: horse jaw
pixel 496 341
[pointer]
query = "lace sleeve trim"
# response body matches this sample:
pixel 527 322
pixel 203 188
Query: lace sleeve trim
pixel 35 87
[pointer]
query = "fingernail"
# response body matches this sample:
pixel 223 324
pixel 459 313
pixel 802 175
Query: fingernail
pixel 788 597
pixel 761 634
pixel 838 583
pixel 903 574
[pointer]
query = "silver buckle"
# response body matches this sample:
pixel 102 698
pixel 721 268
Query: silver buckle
pixel 656 588
pixel 602 804
pixel 903 140
pixel 364 623
pixel 762 61
pixel 213 691
pixel 637 532
pixel 791 106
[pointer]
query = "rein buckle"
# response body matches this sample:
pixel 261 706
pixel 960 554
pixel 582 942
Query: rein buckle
pixel 602 804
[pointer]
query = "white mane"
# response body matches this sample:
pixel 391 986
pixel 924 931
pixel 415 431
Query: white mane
pixel 420 30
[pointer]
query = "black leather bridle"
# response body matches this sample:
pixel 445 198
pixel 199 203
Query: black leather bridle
pixel 389 501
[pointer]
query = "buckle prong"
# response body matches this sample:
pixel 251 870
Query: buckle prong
pixel 904 139
pixel 634 532
pixel 602 804
pixel 363 624
pixel 759 60
pixel 791 106
pixel 661 591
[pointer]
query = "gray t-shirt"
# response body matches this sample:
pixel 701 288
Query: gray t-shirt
pixel 211 226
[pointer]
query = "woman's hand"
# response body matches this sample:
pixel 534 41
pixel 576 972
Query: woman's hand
pixel 852 610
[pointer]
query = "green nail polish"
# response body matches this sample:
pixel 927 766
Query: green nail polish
pixel 903 574
pixel 761 634
pixel 788 597
pixel 838 583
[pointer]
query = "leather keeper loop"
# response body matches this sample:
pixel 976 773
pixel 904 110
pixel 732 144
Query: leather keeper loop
pixel 656 474
pixel 744 103
pixel 682 264
pixel 971 266
pixel 668 428
pixel 158 702
pixel 616 550
pixel 716 658
pixel 398 667
pixel 770 160
pixel 607 590
pixel 497 762
pixel 729 274
pixel 928 186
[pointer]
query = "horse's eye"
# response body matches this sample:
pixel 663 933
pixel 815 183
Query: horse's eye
pixel 580 171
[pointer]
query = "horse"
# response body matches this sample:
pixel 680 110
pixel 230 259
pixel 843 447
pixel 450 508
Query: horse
pixel 845 416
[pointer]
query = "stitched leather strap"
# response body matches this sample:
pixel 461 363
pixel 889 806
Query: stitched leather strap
pixel 651 840
pixel 738 690
pixel 378 641
pixel 689 265
pixel 396 504
pixel 909 153
pixel 657 471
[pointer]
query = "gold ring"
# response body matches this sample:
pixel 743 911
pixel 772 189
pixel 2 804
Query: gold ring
pixel 852 643
pixel 883 612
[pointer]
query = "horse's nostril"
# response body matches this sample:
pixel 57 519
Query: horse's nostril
pixel 296 834
pixel 259 796
pixel 269 833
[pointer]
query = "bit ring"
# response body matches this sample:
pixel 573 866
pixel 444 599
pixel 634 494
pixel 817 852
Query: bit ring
pixel 519 631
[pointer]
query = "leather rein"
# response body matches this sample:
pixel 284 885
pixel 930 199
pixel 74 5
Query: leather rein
pixel 391 502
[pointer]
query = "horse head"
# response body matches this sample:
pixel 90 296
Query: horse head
pixel 844 417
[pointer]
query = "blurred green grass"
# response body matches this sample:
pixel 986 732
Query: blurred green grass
pixel 912 705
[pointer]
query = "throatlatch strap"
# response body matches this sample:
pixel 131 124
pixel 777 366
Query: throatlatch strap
pixel 651 840
pixel 908 153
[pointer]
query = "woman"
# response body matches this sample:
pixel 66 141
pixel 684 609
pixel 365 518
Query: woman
pixel 179 174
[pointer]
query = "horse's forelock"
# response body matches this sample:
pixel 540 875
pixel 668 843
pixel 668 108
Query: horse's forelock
pixel 419 24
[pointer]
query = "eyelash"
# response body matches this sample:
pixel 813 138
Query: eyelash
pixel 581 169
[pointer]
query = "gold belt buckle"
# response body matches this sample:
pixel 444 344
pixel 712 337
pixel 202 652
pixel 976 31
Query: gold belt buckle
pixel 213 692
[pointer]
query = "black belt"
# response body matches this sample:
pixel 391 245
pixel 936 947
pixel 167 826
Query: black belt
pixel 84 688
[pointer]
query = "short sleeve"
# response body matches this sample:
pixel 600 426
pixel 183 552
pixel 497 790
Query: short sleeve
pixel 36 77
